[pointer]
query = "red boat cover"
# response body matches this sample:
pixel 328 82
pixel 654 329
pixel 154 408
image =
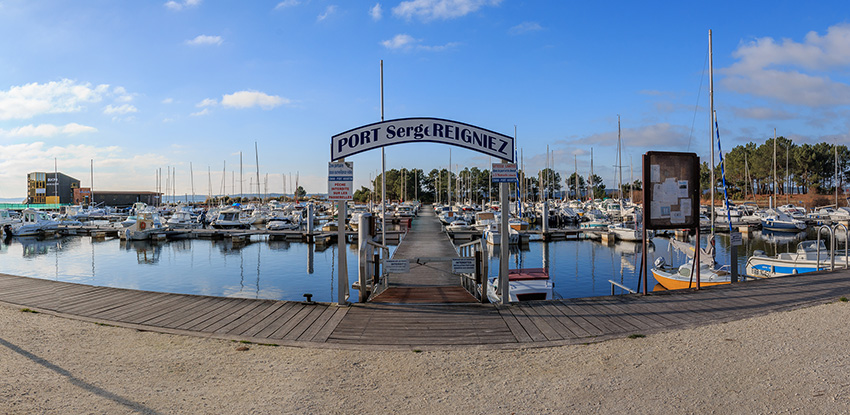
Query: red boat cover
pixel 528 274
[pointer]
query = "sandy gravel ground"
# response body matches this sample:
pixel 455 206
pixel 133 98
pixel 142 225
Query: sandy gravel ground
pixel 790 362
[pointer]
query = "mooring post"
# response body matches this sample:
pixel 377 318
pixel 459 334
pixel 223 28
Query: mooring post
pixel 310 222
pixel 504 253
pixel 363 267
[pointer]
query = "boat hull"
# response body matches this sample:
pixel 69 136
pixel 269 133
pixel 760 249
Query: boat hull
pixel 674 282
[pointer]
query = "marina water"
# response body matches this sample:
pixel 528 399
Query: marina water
pixel 282 270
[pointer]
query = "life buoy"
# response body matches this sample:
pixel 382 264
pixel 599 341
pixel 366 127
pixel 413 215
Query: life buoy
pixel 142 225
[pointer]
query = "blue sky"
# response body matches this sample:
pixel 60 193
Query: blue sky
pixel 138 86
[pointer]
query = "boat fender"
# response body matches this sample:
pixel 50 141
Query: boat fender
pixel 142 225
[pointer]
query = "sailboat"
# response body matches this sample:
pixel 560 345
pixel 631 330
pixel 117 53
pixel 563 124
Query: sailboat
pixel 625 230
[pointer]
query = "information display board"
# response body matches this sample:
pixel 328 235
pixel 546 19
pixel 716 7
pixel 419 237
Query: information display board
pixel 671 190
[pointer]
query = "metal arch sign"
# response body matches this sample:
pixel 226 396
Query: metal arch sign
pixel 427 130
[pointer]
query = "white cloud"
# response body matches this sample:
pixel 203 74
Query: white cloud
pixel 123 109
pixel 792 72
pixel 168 101
pixel 203 112
pixel 286 4
pixel 205 40
pixel 47 130
pixel 180 5
pixel 209 102
pixel 400 41
pixel 525 27
pixel 30 100
pixel 328 11
pixel 248 99
pixel 406 42
pixel 440 9
pixel 376 12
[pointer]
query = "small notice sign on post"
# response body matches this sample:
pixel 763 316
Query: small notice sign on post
pixel 504 173
pixel 340 180
pixel 397 266
pixel 463 265
pixel 735 239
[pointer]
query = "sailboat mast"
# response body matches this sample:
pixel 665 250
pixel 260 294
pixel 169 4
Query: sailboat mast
pixel 711 121
pixel 257 159
pixel 192 181
pixel 620 161
pixel 775 179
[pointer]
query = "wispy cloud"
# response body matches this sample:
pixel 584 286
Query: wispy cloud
pixel 400 41
pixel 209 102
pixel 287 4
pixel 180 5
pixel 168 101
pixel 376 12
pixel 525 27
pixel 200 113
pixel 30 100
pixel 47 130
pixel 328 11
pixel 121 109
pixel 248 99
pixel 405 42
pixel 205 40
pixel 793 72
pixel 427 10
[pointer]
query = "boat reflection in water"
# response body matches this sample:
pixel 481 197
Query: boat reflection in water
pixel 146 252
pixel 33 246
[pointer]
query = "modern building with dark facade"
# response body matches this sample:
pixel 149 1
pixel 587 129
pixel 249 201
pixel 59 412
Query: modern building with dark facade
pixel 50 188
pixel 124 199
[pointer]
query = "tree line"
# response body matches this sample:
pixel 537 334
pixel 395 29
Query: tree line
pixel 800 168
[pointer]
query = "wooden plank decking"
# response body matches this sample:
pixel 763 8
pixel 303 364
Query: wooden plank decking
pixel 425 326
pixel 427 282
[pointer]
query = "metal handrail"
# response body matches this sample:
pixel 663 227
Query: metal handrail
pixel 615 283
pixel 846 243
pixel 832 248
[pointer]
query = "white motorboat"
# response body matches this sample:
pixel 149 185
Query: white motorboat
pixel 147 222
pixel 810 256
pixel 775 220
pixel 527 284
pixel 282 224
pixel 494 237
pixel 34 222
pixel 459 225
pixel 182 219
pixel 229 219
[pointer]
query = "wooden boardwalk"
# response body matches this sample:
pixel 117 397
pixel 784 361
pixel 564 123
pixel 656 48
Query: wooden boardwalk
pixel 427 282
pixel 375 326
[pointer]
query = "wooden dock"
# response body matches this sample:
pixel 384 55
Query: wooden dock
pixel 384 326
pixel 427 282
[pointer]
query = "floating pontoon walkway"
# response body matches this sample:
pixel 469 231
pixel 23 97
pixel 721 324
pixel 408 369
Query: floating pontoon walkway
pixel 375 326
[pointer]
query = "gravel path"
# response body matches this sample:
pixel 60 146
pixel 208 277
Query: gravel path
pixel 789 362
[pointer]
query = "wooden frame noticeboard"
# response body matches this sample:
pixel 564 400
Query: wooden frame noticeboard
pixel 671 190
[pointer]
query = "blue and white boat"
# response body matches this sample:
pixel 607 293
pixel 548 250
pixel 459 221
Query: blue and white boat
pixel 810 256
pixel 775 220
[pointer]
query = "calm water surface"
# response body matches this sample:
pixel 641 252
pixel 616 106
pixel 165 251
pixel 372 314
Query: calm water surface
pixel 286 270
